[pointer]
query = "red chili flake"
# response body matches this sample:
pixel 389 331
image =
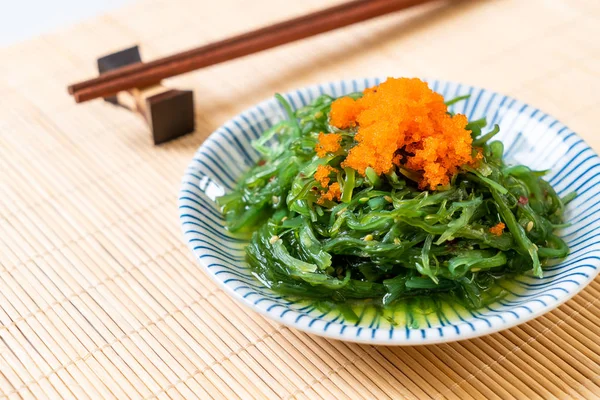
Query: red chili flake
pixel 452 245
pixel 261 162
pixel 523 200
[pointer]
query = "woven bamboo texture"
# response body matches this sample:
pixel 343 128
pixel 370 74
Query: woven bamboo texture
pixel 99 296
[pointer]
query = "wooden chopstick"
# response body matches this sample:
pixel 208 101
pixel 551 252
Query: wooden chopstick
pixel 145 74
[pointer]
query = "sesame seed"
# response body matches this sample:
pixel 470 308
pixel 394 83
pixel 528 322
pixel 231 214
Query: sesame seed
pixel 529 226
pixel 368 238
pixel 273 239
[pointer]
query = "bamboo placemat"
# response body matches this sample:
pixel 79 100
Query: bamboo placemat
pixel 99 296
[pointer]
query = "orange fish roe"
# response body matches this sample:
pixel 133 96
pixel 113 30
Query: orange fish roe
pixel 497 229
pixel 344 112
pixel 478 157
pixel 328 143
pixel 404 114
pixel 322 174
pixel 334 193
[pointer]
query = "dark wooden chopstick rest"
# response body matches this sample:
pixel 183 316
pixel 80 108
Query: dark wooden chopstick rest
pixel 168 112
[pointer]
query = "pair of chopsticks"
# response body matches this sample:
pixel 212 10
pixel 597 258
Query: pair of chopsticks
pixel 145 74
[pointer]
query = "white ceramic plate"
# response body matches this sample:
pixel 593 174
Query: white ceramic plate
pixel 531 137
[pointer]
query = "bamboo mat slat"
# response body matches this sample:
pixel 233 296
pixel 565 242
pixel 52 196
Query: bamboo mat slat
pixel 99 295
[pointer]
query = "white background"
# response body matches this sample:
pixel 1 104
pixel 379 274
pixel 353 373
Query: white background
pixel 23 19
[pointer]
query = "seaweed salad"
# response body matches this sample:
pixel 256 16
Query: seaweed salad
pixel 385 197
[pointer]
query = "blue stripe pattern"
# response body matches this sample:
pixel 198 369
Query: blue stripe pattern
pixel 530 136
